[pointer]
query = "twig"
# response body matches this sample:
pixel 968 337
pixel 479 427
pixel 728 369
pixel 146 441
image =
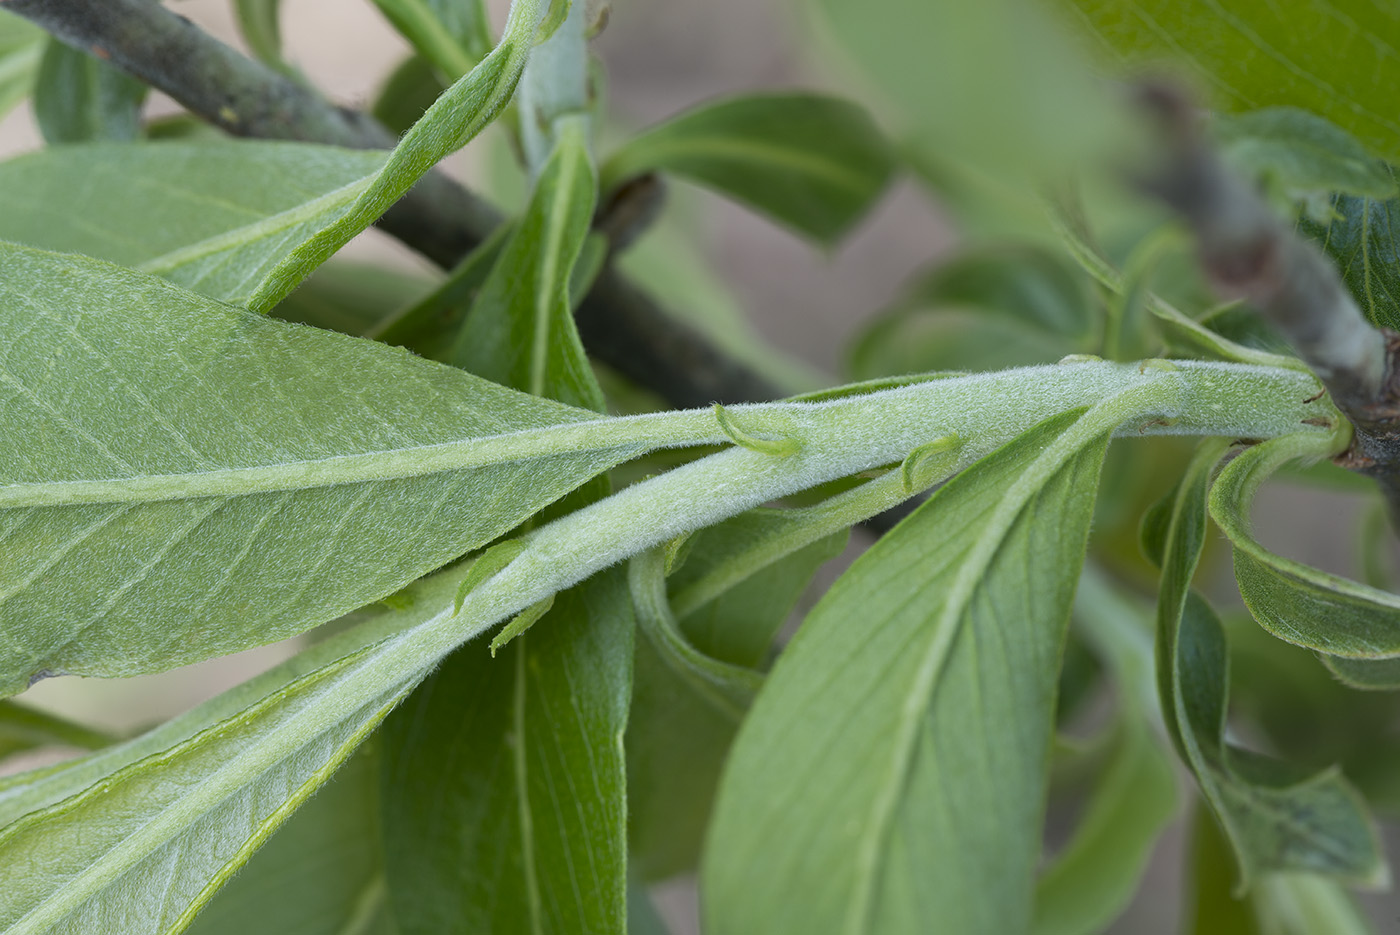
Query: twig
pixel 439 218
pixel 1249 253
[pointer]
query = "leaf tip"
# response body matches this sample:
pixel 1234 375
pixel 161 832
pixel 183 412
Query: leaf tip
pixel 781 447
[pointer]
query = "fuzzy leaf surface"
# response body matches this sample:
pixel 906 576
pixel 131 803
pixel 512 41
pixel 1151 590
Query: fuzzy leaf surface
pixel 321 873
pixel 137 838
pixel 187 461
pixel 1276 816
pixel 214 217
pixel 1294 601
pixel 954 618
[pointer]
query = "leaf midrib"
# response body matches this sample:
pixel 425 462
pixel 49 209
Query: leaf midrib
pixel 568 438
pixel 1094 423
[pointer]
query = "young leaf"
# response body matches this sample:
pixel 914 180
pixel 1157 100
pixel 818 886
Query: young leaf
pixel 686 708
pixel 458 115
pixel 1361 239
pixel 214 217
pixel 919 817
pixel 811 162
pixel 520 329
pixel 21 47
pixel 80 98
pixel 321 873
pixel 503 780
pixel 1293 601
pixel 1276 817
pixel 1260 54
pixel 189 461
pixel 1302 153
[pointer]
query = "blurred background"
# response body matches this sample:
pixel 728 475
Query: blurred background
pixel 662 56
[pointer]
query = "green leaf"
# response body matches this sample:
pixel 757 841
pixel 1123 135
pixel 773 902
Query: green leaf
pixel 1301 153
pixel 964 602
pixel 503 781
pixel 79 98
pixel 261 263
pixel 319 874
pixel 1092 880
pixel 259 26
pixel 137 838
pixel 407 94
pixel 988 308
pixel 1361 239
pixel 686 709
pixel 430 326
pixel 21 47
pixel 186 461
pixel 752 557
pixel 1281 904
pixel 25 728
pixel 811 162
pixel 1372 674
pixel 1276 817
pixel 1293 601
pixel 1323 57
pixel 454 119
pixel 420 22
pixel 215 217
pixel 352 298
pixel 520 329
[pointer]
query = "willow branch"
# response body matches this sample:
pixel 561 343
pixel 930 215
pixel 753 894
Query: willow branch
pixel 439 218
pixel 1249 253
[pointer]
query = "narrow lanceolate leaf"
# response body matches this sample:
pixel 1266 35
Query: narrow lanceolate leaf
pixel 136 839
pixel 214 217
pixel 80 98
pixel 813 163
pixel 321 873
pixel 1301 153
pixel 1276 816
pixel 912 714
pixel 1363 238
pixel 186 461
pixel 520 330
pixel 456 117
pixel 21 47
pixel 1294 601
pixel 503 785
pixel 1258 54
pixel 686 708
